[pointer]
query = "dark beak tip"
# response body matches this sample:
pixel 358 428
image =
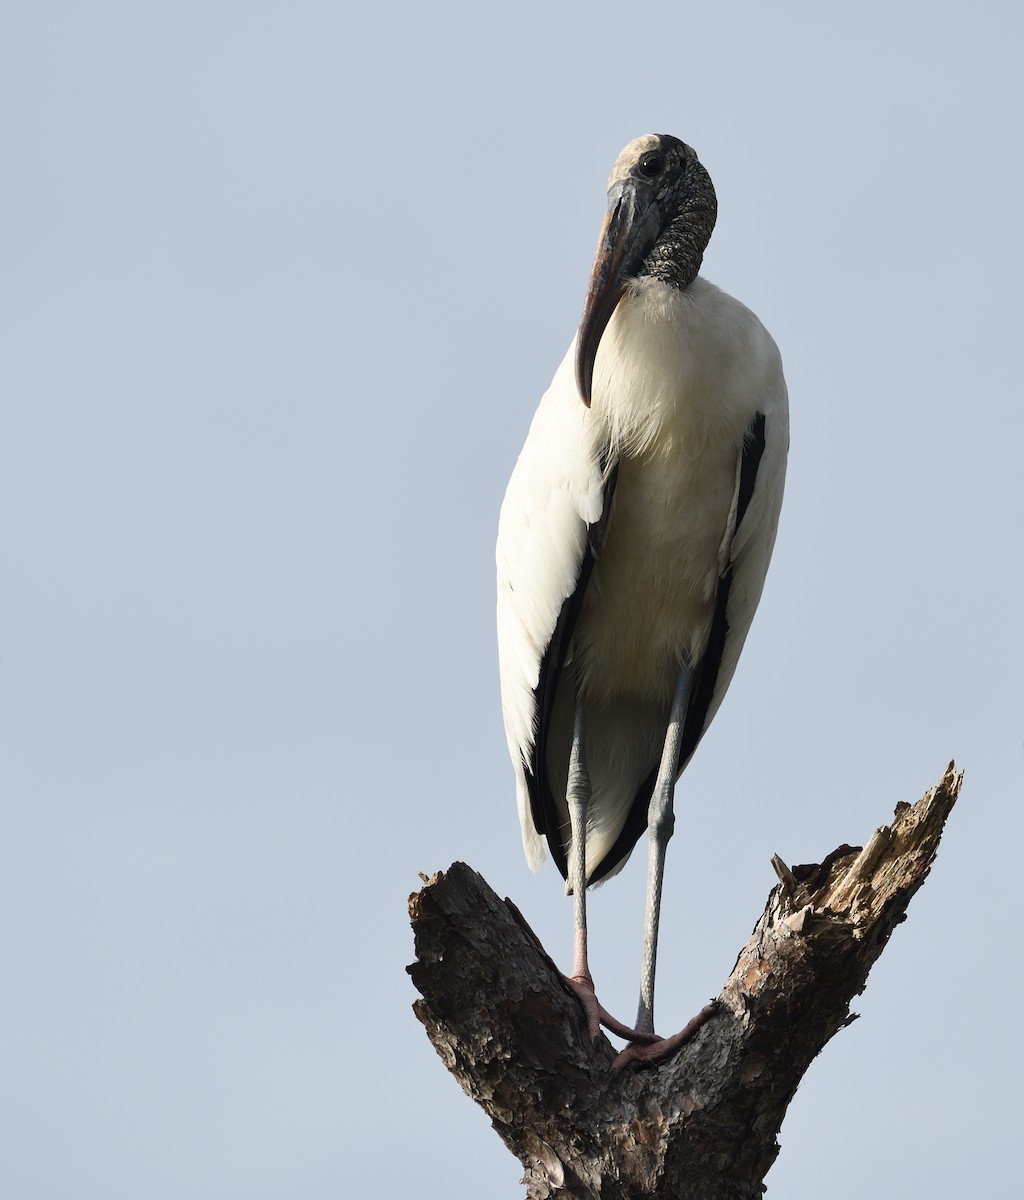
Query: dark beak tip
pixel 584 379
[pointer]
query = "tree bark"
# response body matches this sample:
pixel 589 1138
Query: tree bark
pixel 702 1126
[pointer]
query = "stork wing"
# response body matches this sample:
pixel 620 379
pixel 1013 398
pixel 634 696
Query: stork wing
pixel 705 676
pixel 552 521
pixel 543 809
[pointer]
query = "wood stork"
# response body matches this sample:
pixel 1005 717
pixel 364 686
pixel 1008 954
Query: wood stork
pixel 633 544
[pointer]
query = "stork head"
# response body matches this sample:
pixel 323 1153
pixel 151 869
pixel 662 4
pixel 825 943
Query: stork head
pixel 661 211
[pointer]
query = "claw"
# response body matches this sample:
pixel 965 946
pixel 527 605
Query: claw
pixel 662 1049
pixel 582 987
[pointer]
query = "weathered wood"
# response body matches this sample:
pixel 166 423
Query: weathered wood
pixel 702 1126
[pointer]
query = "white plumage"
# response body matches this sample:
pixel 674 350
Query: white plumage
pixel 626 522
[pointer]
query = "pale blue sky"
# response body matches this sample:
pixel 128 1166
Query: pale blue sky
pixel 282 285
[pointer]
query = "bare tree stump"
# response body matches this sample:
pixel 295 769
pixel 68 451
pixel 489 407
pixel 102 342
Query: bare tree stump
pixel 702 1126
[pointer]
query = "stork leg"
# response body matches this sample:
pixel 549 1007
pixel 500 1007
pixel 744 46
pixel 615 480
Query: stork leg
pixel 661 825
pixel 577 795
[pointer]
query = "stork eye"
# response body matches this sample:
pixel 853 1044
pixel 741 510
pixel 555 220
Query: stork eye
pixel 651 164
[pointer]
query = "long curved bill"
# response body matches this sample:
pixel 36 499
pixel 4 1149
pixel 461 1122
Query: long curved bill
pixel 630 229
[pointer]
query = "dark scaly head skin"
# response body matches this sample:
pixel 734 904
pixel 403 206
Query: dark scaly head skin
pixel 661 212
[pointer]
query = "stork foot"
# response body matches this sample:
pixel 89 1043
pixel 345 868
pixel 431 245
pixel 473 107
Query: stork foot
pixel 650 1054
pixel 582 987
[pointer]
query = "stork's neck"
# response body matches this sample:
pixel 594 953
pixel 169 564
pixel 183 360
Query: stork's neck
pixel 677 255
